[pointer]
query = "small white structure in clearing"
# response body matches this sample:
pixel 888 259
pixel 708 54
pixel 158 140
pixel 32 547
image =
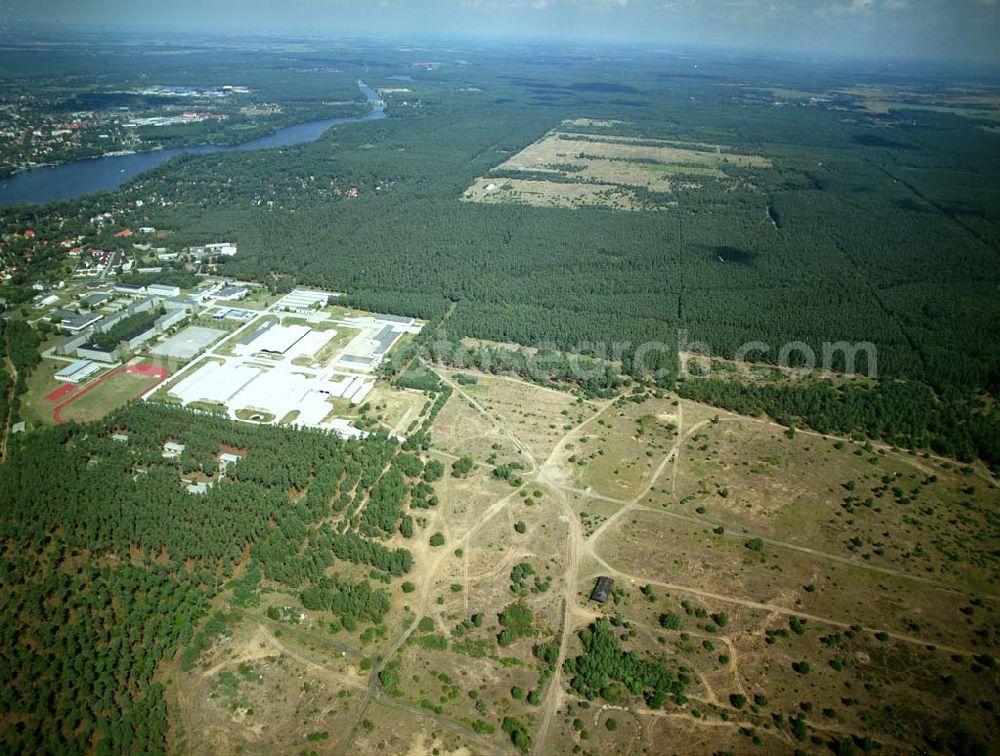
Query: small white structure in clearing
pixel 172 449
pixel 225 460
pixel 345 429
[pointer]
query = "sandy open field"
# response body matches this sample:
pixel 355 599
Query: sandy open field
pixel 604 169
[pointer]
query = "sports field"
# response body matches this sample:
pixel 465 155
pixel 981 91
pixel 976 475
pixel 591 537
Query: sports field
pixel 97 399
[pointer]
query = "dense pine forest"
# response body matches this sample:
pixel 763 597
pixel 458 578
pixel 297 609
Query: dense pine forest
pixel 876 242
pixel 880 228
pixel 113 575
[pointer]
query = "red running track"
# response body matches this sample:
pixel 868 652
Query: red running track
pixel 60 393
pixel 152 371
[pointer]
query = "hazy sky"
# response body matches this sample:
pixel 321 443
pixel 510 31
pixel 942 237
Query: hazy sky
pixel 921 28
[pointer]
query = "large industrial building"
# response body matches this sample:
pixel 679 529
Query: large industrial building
pixel 273 391
pixel 163 290
pixel 303 300
pixel 274 339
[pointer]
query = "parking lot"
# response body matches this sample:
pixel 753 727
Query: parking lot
pixel 187 343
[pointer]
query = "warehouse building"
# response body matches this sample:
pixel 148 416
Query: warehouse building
pixel 137 340
pixel 77 371
pixel 142 305
pixel 214 383
pixel 384 339
pixel 231 293
pixel 58 315
pixel 303 300
pixel 277 339
pixel 163 290
pixel 179 303
pixel 132 290
pixel 94 299
pixel 227 249
pixel 111 321
pixel 232 313
pixel 187 343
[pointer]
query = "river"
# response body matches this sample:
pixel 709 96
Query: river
pixel 59 182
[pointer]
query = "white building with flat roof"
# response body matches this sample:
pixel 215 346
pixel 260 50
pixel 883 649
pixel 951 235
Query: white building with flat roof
pixel 227 249
pixel 163 290
pixel 214 383
pixel 302 300
pixel 231 293
pixel 278 339
pixel 77 371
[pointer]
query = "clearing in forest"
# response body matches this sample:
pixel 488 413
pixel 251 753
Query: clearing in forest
pixel 570 169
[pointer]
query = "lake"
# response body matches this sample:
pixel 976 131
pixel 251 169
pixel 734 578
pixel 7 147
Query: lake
pixel 59 182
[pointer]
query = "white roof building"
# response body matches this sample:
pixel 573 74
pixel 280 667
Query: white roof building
pixel 77 371
pixel 231 293
pixel 214 383
pixel 163 290
pixel 133 289
pixel 220 248
pixel 277 339
pixel 303 299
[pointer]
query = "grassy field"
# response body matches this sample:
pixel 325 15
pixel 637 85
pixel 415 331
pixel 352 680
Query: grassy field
pixel 108 395
pixel 604 169
pixel 35 408
pixel 550 194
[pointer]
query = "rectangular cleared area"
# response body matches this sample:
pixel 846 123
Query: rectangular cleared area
pixel 571 170
pixel 187 343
